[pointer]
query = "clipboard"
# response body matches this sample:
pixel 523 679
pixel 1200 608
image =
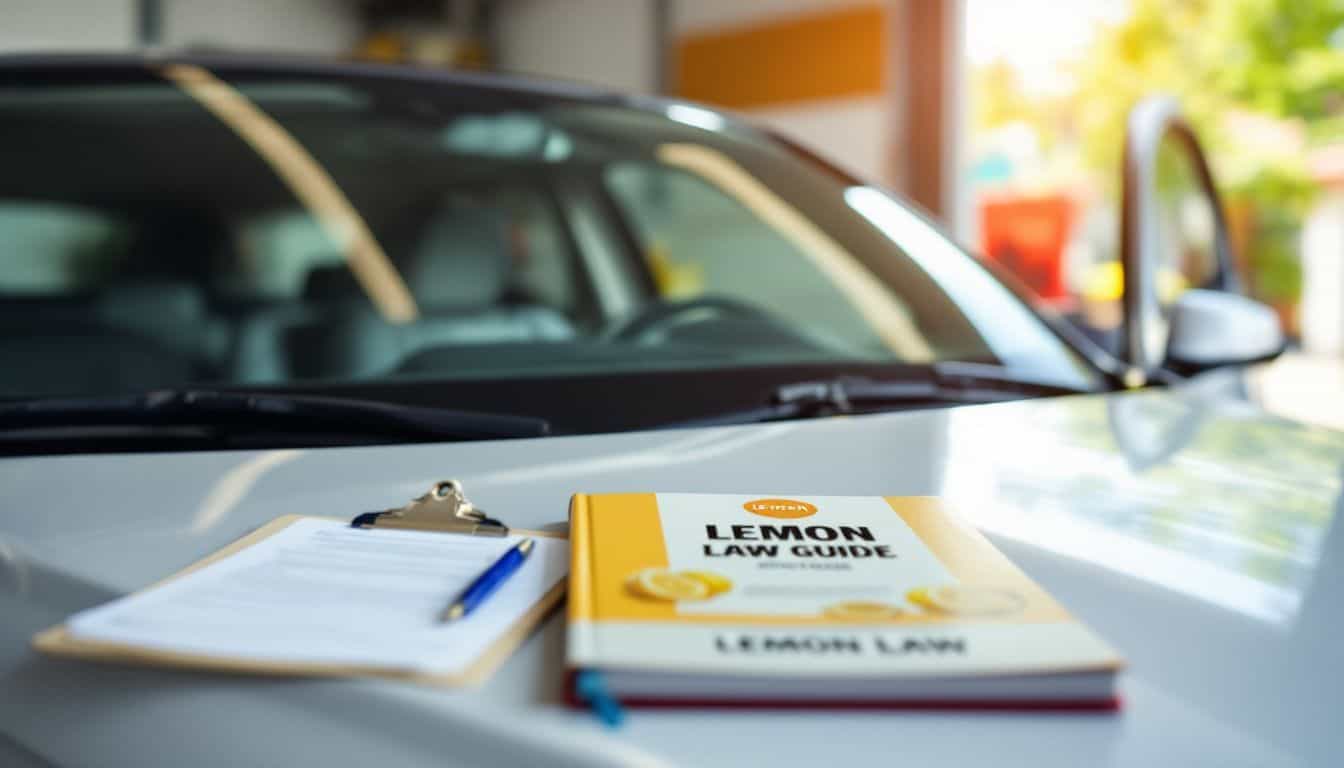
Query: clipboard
pixel 443 508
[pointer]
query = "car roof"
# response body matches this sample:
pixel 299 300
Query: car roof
pixel 279 64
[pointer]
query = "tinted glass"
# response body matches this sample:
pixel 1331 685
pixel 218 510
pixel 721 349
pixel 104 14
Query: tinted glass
pixel 173 226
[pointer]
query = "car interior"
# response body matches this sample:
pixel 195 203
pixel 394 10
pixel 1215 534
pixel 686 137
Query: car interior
pixel 179 326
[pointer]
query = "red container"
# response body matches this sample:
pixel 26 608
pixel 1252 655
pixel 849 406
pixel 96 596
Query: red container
pixel 1027 235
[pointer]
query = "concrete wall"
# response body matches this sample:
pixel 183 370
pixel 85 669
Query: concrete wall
pixel 315 27
pixel 609 43
pixel 70 25
pixel 319 27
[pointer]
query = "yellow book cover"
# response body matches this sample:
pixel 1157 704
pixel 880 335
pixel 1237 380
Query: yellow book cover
pixel 814 601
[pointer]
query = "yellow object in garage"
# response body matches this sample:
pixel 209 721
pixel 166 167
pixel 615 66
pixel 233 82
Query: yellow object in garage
pixel 674 280
pixel 1106 282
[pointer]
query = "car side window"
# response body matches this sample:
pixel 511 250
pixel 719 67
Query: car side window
pixel 697 240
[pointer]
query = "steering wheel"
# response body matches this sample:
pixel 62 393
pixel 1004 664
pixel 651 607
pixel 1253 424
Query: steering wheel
pixel 663 319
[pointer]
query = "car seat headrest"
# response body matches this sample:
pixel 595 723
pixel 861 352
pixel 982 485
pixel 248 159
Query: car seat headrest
pixel 150 303
pixel 331 283
pixel 172 313
pixel 460 261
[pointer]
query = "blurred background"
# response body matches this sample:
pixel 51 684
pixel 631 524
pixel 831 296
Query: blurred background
pixel 1003 119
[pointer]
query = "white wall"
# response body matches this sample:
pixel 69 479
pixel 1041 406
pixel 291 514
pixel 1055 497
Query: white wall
pixel 709 15
pixel 1322 308
pixel 609 43
pixel 66 25
pixel 852 133
pixel 958 196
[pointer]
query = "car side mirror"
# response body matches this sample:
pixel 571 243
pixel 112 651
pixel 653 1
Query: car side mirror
pixel 1183 310
pixel 1214 328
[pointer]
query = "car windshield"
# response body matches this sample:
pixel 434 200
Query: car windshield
pixel 183 224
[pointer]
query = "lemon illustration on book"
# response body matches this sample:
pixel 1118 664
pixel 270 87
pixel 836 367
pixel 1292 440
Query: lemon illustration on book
pixel 717 583
pixel 966 600
pixel 861 610
pixel 662 584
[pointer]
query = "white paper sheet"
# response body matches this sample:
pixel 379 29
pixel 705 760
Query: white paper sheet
pixel 320 591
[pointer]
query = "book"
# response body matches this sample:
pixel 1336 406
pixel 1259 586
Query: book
pixel 311 596
pixel 811 601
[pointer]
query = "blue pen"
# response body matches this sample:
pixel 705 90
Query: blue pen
pixel 485 584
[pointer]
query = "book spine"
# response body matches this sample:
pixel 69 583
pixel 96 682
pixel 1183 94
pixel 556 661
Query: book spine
pixel 580 648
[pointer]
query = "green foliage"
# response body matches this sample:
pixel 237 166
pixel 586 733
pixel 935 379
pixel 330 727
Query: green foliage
pixel 1001 100
pixel 1280 57
pixel 1280 62
pixel 1227 59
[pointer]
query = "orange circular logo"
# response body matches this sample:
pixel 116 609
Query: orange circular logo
pixel 783 508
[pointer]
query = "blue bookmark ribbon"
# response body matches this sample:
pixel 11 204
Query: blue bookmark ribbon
pixel 591 688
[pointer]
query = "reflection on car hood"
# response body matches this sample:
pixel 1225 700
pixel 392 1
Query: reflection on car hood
pixel 1190 529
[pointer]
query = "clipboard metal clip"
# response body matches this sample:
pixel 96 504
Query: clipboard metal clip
pixel 444 507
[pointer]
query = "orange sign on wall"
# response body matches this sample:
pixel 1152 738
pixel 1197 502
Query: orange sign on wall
pixel 827 55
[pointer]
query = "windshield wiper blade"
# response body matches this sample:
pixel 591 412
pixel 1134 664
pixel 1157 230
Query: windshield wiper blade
pixel 938 384
pixel 241 412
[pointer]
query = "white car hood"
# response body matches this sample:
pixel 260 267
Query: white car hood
pixel 1191 530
